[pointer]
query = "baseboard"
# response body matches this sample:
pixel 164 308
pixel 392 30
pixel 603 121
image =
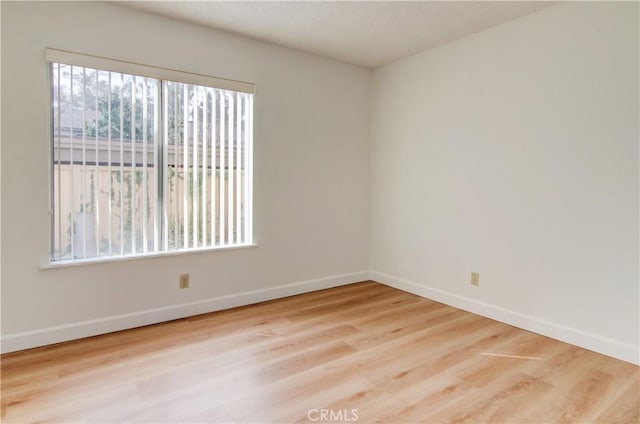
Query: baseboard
pixel 57 334
pixel 587 340
pixel 61 333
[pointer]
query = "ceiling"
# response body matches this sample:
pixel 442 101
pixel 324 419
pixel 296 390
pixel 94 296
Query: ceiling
pixel 365 33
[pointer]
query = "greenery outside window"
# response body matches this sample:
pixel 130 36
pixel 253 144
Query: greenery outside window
pixel 144 165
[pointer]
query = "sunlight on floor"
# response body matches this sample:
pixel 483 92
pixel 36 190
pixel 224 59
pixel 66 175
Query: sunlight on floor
pixel 507 355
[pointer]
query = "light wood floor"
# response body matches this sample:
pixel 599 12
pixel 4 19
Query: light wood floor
pixel 362 350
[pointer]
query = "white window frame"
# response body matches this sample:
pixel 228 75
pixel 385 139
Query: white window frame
pixel 163 75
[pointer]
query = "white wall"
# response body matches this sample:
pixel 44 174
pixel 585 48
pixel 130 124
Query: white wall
pixel 311 172
pixel 514 153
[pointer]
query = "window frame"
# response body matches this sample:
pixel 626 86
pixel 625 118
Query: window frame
pixel 162 75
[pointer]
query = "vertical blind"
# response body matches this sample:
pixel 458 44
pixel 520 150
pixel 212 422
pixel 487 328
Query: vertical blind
pixel 144 165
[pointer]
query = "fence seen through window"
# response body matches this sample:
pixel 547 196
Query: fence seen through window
pixel 142 165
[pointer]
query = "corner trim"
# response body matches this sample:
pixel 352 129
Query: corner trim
pixel 66 332
pixel 604 345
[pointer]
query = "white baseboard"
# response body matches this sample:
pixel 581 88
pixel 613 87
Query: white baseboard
pixel 587 340
pixel 61 333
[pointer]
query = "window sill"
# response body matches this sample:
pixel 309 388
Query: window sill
pixel 82 262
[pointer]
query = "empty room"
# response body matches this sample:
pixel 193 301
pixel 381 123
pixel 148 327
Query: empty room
pixel 320 212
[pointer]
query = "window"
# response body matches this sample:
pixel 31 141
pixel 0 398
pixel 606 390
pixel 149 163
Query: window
pixel 146 160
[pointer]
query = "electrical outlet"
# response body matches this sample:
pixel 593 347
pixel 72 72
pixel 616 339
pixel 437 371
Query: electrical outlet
pixel 184 281
pixel 475 278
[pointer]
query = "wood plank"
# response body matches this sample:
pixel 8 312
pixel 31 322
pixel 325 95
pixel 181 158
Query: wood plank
pixel 388 355
pixel 625 409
